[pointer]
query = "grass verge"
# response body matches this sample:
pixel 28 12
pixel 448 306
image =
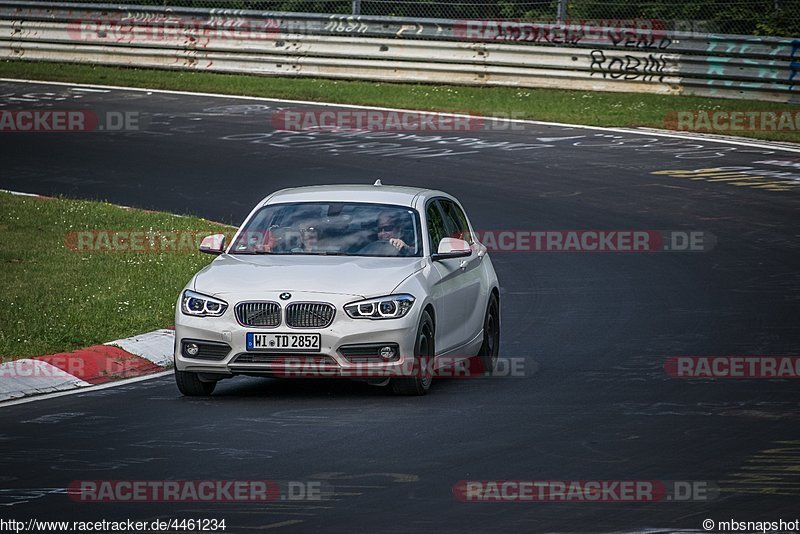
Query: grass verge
pixel 61 294
pixel 556 105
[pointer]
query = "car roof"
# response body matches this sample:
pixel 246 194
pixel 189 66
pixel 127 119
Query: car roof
pixel 377 194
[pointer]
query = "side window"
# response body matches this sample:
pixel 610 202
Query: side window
pixel 455 221
pixel 436 228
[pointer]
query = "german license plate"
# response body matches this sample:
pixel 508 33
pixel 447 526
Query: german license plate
pixel 279 341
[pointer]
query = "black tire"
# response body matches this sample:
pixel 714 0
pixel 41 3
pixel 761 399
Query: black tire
pixel 190 384
pixel 491 335
pixel 420 382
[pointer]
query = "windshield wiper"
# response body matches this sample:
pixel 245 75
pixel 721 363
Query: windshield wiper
pixel 259 253
pixel 322 253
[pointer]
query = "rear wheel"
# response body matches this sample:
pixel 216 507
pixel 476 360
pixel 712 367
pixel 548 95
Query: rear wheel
pixel 190 384
pixel 491 335
pixel 420 382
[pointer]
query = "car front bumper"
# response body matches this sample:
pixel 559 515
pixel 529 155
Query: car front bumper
pixel 226 338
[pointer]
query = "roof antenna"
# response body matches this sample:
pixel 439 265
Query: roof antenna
pixel 377 183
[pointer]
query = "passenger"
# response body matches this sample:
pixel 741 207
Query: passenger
pixel 309 239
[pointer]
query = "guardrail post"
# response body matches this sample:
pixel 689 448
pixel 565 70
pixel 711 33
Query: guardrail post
pixel 561 14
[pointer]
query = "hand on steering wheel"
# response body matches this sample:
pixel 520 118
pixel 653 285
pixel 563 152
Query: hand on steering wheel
pixel 397 243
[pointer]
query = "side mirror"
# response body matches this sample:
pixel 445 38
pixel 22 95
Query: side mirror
pixel 450 247
pixel 213 244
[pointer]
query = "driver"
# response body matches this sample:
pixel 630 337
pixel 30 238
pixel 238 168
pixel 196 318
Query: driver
pixel 389 230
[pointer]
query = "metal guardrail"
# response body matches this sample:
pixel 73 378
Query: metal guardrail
pixel 395 49
pixel 743 17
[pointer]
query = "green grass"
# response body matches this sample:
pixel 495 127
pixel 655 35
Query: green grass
pixel 58 299
pixel 557 105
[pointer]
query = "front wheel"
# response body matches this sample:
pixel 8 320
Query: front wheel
pixel 190 384
pixel 491 335
pixel 420 382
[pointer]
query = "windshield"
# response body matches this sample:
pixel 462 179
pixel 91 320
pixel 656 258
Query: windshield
pixel 331 228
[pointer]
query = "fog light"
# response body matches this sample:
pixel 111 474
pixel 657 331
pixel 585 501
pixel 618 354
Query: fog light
pixel 192 349
pixel 387 353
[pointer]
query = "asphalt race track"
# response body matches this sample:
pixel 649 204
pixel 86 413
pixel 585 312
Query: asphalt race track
pixel 593 330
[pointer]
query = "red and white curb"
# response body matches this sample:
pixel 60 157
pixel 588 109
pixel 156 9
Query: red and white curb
pixel 98 365
pixel 127 358
pixel 122 359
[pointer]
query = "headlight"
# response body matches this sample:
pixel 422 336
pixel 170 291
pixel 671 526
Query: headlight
pixel 389 307
pixel 201 305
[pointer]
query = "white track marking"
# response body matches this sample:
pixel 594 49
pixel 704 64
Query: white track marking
pixel 19 193
pixel 89 90
pixel 551 139
pixel 88 389
pixel 30 377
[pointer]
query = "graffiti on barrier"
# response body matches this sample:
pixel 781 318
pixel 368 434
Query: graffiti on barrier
pixel 603 33
pixel 345 24
pixel 628 67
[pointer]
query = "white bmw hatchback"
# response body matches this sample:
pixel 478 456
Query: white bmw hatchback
pixel 379 283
